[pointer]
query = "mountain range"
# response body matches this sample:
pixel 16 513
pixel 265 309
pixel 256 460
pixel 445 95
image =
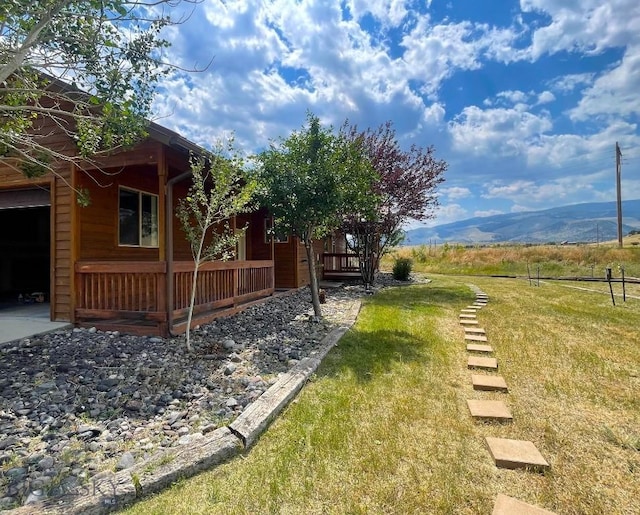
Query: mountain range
pixel 586 223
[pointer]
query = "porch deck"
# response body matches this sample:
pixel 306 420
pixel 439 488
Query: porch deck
pixel 338 266
pixel 146 298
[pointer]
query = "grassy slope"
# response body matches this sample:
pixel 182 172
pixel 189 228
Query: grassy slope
pixel 384 428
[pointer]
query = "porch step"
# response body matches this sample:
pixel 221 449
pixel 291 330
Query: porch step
pixel 478 347
pixel 489 383
pixel 516 454
pixel 475 338
pixel 506 505
pixel 489 410
pixel 482 362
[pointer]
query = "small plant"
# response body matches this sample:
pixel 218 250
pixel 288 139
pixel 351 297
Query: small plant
pixel 402 269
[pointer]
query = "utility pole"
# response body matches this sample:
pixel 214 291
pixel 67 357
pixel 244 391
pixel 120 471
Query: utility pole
pixel 618 170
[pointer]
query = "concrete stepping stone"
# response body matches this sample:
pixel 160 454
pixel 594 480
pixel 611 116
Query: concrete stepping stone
pixel 482 362
pixel 516 454
pixel 468 321
pixel 475 338
pixel 477 347
pixel 488 383
pixel 468 316
pixel 506 505
pixel 493 410
pixel 474 330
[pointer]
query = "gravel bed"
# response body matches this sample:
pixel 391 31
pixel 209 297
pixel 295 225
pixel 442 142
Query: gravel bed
pixel 79 402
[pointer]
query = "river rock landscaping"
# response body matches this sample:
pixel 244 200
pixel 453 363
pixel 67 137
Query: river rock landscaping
pixel 78 403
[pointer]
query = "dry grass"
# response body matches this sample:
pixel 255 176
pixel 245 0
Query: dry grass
pixel 384 428
pixel 519 260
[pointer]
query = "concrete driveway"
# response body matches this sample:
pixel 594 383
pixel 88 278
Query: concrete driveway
pixel 24 320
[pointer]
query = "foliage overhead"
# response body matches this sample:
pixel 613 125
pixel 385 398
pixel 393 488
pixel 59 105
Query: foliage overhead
pixel 84 67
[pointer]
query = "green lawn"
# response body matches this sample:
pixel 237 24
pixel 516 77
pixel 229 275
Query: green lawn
pixel 383 427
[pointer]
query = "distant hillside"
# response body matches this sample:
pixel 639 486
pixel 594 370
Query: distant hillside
pixel 591 222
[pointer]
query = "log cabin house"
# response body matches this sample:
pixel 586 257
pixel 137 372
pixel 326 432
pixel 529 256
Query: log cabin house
pixel 123 262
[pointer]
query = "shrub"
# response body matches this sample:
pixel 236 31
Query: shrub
pixel 402 269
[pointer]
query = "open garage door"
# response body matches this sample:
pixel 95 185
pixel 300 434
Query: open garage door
pixel 25 244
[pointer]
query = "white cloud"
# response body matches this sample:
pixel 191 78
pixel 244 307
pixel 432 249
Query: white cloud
pixel 389 12
pixel 488 212
pixel 448 213
pixel 546 97
pixel 615 93
pixel 588 26
pixel 497 132
pixel 455 192
pixel 568 83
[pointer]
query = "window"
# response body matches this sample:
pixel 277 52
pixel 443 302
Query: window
pixel 272 232
pixel 138 213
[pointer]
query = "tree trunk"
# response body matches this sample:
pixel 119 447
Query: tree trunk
pixel 313 279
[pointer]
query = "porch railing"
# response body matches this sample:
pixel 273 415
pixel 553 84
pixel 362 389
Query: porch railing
pixel 221 284
pixel 340 265
pixel 138 290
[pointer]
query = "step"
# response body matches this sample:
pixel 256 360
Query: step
pixel 480 305
pixel 516 454
pixel 478 347
pixel 468 310
pixel 474 330
pixel 468 316
pixel 466 321
pixel 506 505
pixel 482 362
pixel 475 338
pixel 486 409
pixel 489 383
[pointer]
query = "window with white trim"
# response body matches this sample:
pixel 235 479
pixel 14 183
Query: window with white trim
pixel 138 218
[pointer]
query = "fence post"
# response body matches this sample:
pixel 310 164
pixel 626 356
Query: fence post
pixel 608 277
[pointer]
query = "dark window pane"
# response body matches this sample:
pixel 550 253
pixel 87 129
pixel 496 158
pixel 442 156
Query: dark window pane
pixel 129 218
pixel 149 220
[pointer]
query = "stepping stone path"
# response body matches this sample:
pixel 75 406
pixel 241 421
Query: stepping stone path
pixel 510 454
pixel 482 362
pixel 478 347
pixel 506 505
pixel 489 383
pixel 516 454
pixel 489 410
pixel 475 338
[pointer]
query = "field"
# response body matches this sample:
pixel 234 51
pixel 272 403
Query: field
pixel 383 427
pixel 548 260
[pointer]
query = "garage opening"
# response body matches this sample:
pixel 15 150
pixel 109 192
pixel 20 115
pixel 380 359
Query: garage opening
pixel 25 246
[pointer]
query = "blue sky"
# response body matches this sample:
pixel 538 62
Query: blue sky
pixel 524 99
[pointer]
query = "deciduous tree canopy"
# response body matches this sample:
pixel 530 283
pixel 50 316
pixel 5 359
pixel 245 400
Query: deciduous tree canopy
pixel 84 67
pixel 404 190
pixel 306 180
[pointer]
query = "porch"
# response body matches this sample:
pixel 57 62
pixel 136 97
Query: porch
pixel 152 298
pixel 340 266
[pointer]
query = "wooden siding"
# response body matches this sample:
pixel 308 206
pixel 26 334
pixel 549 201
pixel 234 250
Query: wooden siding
pixel 98 222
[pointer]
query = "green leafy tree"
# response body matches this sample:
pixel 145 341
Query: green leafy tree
pixel 87 68
pixel 219 191
pixel 305 182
